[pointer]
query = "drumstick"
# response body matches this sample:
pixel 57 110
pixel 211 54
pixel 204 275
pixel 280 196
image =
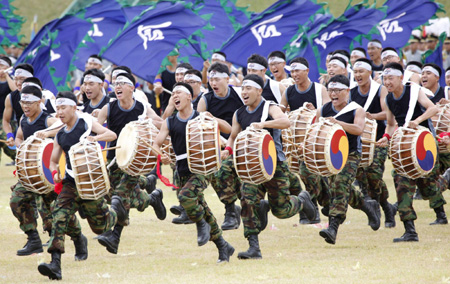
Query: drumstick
pixel 7 70
pixel 153 148
pixel 111 148
pixel 167 91
pixel 368 141
pixel 2 141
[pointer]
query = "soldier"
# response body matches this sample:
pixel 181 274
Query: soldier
pixel 6 85
pixel 374 48
pixel 277 63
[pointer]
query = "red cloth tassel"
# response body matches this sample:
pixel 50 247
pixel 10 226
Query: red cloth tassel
pixel 161 177
pixel 14 172
pixel 442 135
pixel 58 187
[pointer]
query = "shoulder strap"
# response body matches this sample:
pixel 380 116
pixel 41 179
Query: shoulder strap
pixel 406 76
pixel 88 119
pixel 374 87
pixel 414 95
pixel 265 112
pixel 348 108
pixel 275 88
pixel 446 92
pixel 238 91
pixel 318 89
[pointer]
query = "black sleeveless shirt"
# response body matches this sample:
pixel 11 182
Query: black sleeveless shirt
pixel 118 117
pixel 297 98
pixel 89 108
pixel 168 80
pixel 245 117
pixel 15 104
pixel 399 107
pixel 354 142
pixel 29 128
pixel 440 94
pixel 196 101
pixel 375 107
pixel 177 132
pixel 67 139
pixel 267 93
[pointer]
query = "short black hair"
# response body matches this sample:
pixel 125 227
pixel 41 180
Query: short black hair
pixel 221 53
pixel 219 67
pixel 340 79
pixel 129 76
pixel 195 72
pixel 364 60
pixel 301 60
pixel 191 91
pixel 95 56
pixel 25 66
pixel 32 90
pixel 277 53
pixel 389 48
pixel 435 66
pixel 124 68
pixel 361 49
pixel 7 59
pixel 256 58
pixel 376 40
pixel 185 65
pixel 342 52
pixel 33 80
pixel 394 65
pixel 67 95
pixel 257 79
pixel 417 63
pixel 340 59
pixel 96 72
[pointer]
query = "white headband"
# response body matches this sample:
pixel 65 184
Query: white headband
pixel 192 77
pixel 337 85
pixel 298 66
pixel 94 60
pixel 275 59
pixel 92 78
pixel 388 53
pixel 431 69
pixel 117 72
pixel 362 64
pixel 215 74
pixel 359 53
pixel 31 84
pixel 447 73
pixel 65 102
pixel 3 62
pixel 181 70
pixel 375 44
pixel 391 71
pixel 181 88
pixel 255 66
pixel 23 73
pixel 218 57
pixel 414 68
pixel 29 98
pixel 337 62
pixel 341 56
pixel 123 79
pixel 251 83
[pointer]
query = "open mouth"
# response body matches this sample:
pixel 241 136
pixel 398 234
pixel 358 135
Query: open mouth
pixel 215 89
pixel 177 102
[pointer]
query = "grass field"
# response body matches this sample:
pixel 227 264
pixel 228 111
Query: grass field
pixel 153 251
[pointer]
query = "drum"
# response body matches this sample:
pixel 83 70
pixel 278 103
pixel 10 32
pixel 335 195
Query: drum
pixel 33 165
pixel 301 119
pixel 368 149
pixel 294 165
pixel 89 170
pixel 288 146
pixel 135 157
pixel 255 156
pixel 203 145
pixel 325 148
pixel 413 152
pixel 441 123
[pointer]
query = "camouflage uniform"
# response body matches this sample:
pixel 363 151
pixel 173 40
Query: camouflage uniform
pixel 190 195
pixel 10 153
pixel 444 162
pixel 99 217
pixel 226 182
pixel 282 204
pixel 21 207
pixel 315 185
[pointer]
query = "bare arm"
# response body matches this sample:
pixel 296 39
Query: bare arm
pixel 284 101
pixel 103 115
pixel 235 129
pixel 54 160
pixel 103 133
pixel 280 120
pixel 7 114
pixel 11 84
pixel 19 136
pixel 159 140
pixel 431 110
pixel 355 128
pixel 156 120
pixel 325 96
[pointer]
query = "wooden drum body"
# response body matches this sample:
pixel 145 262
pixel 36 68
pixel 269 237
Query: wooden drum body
pixel 301 119
pixel 441 123
pixel 255 156
pixel 368 149
pixel 135 157
pixel 203 145
pixel 325 148
pixel 33 165
pixel 89 170
pixel 413 152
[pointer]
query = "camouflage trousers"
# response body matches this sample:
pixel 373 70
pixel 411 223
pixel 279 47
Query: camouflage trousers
pixel 341 190
pixel 226 182
pixel 22 209
pixel 282 204
pixel 430 187
pixel 294 183
pixel 125 186
pixel 99 216
pixel 444 162
pixel 9 152
pixel 191 197
pixel 371 177
pixel 315 185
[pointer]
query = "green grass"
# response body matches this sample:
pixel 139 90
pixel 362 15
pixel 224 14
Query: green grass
pixel 153 251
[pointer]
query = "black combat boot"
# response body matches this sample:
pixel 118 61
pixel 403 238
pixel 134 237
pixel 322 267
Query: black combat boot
pixel 225 250
pixel 330 233
pixel 441 218
pixel 232 218
pixel 81 249
pixel 410 234
pixel 117 206
pixel 176 210
pixel 325 210
pixel 307 205
pixel 253 251
pixel 203 232
pixel 111 239
pixel 33 245
pixel 49 232
pixel 389 214
pixel 372 210
pixel 263 212
pixel 53 269
pixel 304 220
pixel 151 183
pixel 156 201
pixel 183 218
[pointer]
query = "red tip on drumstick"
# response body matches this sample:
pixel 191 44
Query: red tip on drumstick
pixel 442 134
